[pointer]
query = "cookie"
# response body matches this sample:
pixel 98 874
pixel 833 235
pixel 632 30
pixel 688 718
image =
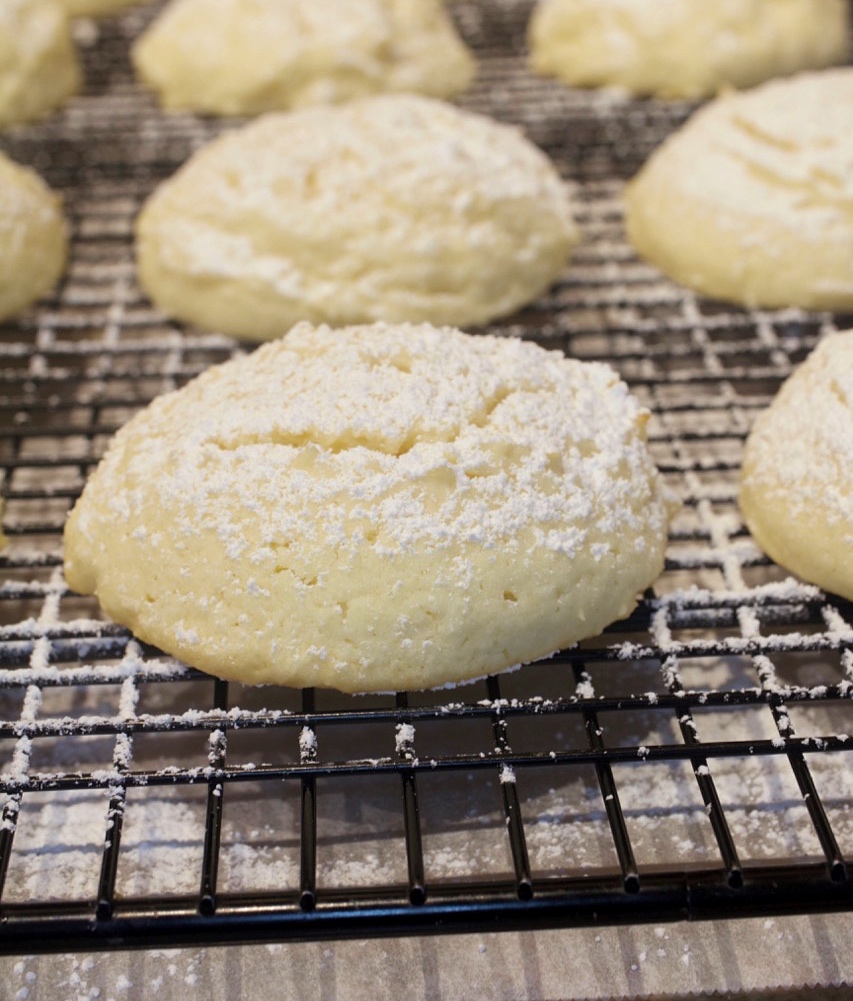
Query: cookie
pixel 684 48
pixel 750 202
pixel 33 237
pixel 796 491
pixel 375 508
pixel 396 208
pixel 246 57
pixel 39 67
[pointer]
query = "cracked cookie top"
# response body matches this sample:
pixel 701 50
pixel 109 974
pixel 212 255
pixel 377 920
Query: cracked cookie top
pixel 752 200
pixel 395 208
pixel 375 508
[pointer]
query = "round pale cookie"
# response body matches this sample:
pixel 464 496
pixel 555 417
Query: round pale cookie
pixel 684 48
pixel 796 491
pixel 33 237
pixel 246 57
pixel 750 201
pixel 395 208
pixel 95 8
pixel 39 67
pixel 375 508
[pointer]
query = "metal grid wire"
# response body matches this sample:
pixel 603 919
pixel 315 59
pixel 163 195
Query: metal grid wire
pixel 692 762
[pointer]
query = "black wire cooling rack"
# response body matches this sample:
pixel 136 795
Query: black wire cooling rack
pixel 693 762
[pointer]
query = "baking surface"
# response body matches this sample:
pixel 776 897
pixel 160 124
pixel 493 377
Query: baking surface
pixel 673 962
pixel 728 649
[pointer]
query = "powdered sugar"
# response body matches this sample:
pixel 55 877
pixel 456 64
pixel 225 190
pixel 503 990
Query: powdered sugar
pixel 444 216
pixel 411 428
pixel 805 175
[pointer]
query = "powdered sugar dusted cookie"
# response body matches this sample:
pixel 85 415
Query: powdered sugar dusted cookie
pixel 245 57
pixel 39 68
pixel 685 48
pixel 33 237
pixel 375 508
pixel 751 201
pixel 395 208
pixel 797 480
